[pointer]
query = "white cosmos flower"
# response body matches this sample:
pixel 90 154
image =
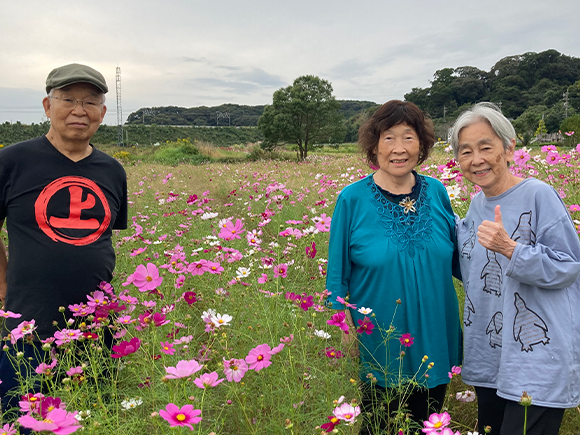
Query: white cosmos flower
pixel 208 215
pixel 322 334
pixel 465 396
pixel 161 201
pixel 221 320
pixel 210 313
pixel 453 192
pixel 243 272
pixel 83 415
pixel 364 310
pixel 131 403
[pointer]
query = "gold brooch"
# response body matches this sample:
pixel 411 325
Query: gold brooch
pixel 408 205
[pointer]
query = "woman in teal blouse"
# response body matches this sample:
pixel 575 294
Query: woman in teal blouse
pixel 392 246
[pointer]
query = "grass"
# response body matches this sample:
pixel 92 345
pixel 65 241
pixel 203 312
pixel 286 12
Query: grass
pixel 299 390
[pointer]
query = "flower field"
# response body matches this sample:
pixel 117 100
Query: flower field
pixel 218 307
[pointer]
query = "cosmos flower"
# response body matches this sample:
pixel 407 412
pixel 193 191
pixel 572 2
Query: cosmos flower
pixel 184 416
pixel 183 369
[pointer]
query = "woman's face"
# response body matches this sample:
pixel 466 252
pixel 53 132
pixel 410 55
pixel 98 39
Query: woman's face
pixel 483 158
pixel 398 150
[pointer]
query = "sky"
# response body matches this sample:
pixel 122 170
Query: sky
pixel 205 53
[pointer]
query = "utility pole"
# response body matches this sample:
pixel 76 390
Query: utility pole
pixel 444 112
pixel 565 95
pixel 119 109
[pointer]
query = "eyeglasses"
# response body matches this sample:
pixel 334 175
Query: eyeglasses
pixel 87 105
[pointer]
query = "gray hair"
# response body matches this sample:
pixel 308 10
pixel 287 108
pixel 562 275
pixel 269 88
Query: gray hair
pixel 488 113
pixel 50 95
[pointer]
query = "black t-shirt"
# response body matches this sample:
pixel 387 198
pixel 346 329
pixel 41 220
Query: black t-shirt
pixel 59 215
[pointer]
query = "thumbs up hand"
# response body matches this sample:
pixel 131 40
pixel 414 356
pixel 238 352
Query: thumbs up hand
pixel 493 236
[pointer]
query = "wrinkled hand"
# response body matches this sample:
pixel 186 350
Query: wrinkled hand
pixel 493 236
pixel 350 340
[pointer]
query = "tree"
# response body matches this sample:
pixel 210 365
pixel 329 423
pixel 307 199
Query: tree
pixel 305 114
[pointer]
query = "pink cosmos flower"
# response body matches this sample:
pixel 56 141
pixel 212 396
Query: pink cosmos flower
pixel 436 422
pixel 183 369
pixel 406 340
pixel 147 278
pixel 339 319
pixel 548 148
pixel 323 223
pixel 45 369
pixel 234 369
pixel 126 348
pixel 167 348
pixel 215 268
pixel 553 158
pixel 521 157
pixel 365 326
pixel 67 336
pixel 447 431
pixel 8 429
pixel 346 412
pixel 259 357
pixel 454 372
pixel 281 270
pixel 263 279
pixel 57 421
pixel 184 416
pixel 277 349
pixel 208 380
pixel 199 267
pixel 73 371
pixel 231 231
pixel 30 403
pixel 287 339
pixel 574 207
pixel 23 328
pixel 578 148
pixel 345 303
pixel 9 314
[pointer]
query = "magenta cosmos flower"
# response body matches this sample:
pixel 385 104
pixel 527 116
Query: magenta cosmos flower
pixel 185 416
pixel 281 270
pixel 207 380
pixel 521 157
pixel 338 319
pixel 234 369
pixel 57 421
pixel 365 325
pixel 183 369
pixel 232 231
pixel 436 422
pixel 126 348
pixel 406 340
pixel 147 278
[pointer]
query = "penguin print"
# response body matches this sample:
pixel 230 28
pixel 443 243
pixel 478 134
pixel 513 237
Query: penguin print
pixel 523 233
pixel 492 274
pixel 469 243
pixel 494 329
pixel 529 328
pixel 469 308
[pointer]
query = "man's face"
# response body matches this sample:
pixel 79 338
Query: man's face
pixel 80 123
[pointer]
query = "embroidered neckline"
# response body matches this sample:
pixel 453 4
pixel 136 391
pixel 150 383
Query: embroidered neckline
pixel 408 230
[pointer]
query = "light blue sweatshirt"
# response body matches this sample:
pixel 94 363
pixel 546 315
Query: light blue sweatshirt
pixel 522 316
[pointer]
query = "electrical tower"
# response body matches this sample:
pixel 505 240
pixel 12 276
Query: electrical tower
pixel 119 109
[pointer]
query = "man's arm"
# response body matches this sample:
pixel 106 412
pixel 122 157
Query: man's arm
pixel 3 267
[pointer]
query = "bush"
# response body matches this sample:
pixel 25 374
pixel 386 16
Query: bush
pixel 179 151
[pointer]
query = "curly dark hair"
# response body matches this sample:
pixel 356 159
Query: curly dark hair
pixel 393 113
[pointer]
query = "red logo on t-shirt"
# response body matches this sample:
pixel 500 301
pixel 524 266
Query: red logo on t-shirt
pixel 52 226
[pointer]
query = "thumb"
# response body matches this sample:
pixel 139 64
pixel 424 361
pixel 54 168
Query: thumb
pixel 498 215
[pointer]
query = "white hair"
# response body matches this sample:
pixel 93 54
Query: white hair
pixel 488 113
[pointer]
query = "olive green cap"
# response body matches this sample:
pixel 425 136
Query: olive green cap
pixel 75 73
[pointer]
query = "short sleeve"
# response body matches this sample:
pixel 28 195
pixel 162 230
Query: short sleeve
pixel 339 261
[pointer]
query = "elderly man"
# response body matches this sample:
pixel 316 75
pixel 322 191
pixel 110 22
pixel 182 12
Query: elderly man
pixel 61 199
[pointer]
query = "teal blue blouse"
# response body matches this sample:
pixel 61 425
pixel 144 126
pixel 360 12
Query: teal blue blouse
pixel 379 253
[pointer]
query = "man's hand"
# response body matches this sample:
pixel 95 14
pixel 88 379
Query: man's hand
pixel 493 236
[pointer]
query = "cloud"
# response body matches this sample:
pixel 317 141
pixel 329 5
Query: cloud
pixel 193 59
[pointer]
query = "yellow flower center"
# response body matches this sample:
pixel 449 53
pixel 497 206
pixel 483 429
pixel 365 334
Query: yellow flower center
pixel 234 367
pixel 348 416
pixel 334 420
pixel 438 425
pixel 260 358
pixel 180 417
pixel 149 279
